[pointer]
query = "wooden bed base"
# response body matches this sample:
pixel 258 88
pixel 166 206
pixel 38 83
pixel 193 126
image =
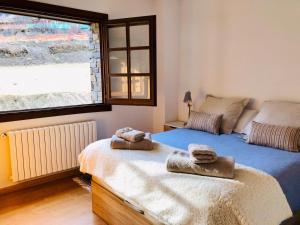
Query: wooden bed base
pixel 114 210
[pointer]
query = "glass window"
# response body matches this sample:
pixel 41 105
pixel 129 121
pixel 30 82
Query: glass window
pixel 139 35
pixel 118 62
pixel 117 37
pixel 48 63
pixel 140 87
pixel 140 61
pixel 132 67
pixel 119 87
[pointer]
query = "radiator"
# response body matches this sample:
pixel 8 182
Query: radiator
pixel 46 150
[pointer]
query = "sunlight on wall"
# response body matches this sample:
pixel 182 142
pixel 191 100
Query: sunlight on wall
pixel 5 168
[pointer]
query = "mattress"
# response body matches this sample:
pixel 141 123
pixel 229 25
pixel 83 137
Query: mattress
pixel 284 166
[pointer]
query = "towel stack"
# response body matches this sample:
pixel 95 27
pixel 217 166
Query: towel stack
pixel 201 160
pixel 128 138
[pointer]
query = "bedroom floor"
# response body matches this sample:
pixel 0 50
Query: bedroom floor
pixel 61 202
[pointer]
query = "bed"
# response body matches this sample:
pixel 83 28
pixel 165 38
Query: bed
pixel 284 166
pixel 118 194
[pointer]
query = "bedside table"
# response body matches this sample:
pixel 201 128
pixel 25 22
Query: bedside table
pixel 173 125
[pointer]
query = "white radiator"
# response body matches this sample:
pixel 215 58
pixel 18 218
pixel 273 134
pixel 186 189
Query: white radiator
pixel 45 150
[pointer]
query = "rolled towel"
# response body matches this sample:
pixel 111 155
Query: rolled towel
pixel 120 143
pixel 202 153
pixel 179 162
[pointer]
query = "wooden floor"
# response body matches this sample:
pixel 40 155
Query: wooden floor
pixel 62 202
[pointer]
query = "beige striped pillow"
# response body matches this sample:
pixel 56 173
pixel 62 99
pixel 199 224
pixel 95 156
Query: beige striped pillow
pixel 282 137
pixel 208 122
pixel 230 108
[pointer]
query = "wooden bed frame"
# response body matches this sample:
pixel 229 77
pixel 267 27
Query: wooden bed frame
pixel 117 211
pixel 114 210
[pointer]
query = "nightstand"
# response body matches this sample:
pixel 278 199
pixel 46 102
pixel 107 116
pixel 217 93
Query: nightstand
pixel 173 125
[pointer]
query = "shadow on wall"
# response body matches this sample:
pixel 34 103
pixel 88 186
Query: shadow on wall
pixel 199 99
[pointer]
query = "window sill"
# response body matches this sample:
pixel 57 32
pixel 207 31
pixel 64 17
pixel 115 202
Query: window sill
pixel 50 112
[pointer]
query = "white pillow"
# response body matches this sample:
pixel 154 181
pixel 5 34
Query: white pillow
pixel 245 120
pixel 279 113
pixel 230 108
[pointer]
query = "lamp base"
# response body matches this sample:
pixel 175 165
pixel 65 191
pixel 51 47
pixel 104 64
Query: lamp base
pixel 190 106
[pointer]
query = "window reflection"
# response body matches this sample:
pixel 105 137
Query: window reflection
pixel 140 87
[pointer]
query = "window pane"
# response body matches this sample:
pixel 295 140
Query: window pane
pixel 139 35
pixel 118 62
pixel 117 37
pixel 140 87
pixel 47 63
pixel 119 87
pixel 140 62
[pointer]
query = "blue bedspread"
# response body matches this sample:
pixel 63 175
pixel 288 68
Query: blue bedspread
pixel 282 165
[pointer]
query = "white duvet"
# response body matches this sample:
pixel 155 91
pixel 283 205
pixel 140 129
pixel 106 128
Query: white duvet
pixel 251 198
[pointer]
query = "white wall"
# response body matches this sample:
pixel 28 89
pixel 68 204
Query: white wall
pixel 167 62
pixel 136 116
pixel 240 48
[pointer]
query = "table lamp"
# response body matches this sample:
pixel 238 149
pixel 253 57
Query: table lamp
pixel 188 99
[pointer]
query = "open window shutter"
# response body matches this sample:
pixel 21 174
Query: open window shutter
pixel 131 61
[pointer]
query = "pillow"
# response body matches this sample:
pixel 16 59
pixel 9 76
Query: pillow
pixel 205 121
pixel 245 120
pixel 279 113
pixel 230 108
pixel 281 137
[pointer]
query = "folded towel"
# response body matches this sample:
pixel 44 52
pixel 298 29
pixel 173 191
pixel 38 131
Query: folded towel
pixel 133 136
pixel 120 143
pixel 123 130
pixel 202 153
pixel 179 162
pixel 130 134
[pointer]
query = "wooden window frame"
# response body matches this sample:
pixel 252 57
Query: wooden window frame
pixel 49 11
pixel 127 22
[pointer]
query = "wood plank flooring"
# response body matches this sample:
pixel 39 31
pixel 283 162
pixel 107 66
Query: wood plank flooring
pixel 62 202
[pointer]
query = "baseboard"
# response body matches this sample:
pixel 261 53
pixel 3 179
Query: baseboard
pixel 38 181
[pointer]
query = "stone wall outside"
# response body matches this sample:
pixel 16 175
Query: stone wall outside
pixel 96 90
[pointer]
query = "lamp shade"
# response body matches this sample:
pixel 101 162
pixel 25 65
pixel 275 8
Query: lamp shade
pixel 187 97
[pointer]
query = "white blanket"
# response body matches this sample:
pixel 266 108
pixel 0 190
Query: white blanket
pixel 252 198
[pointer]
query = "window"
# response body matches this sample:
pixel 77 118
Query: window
pixel 56 60
pixel 48 63
pixel 132 61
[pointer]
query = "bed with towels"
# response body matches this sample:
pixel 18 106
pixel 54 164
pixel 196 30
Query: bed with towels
pixel 284 166
pixel 205 173
pixel 253 197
